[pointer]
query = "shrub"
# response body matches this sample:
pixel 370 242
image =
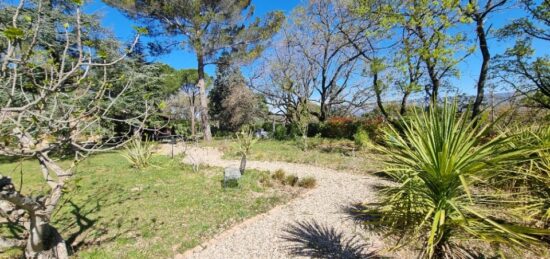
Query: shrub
pixel 444 194
pixel 245 140
pixel 265 180
pixel 339 127
pixel 373 125
pixel 280 132
pixel 314 129
pixel 291 180
pixel 139 152
pixel 307 182
pixel 362 139
pixel 279 175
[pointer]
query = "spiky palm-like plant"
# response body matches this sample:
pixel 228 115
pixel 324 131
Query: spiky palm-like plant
pixel 532 181
pixel 442 196
pixel 138 152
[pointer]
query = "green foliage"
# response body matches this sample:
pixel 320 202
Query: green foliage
pixel 290 180
pixel 522 68
pixel 339 127
pixel 245 140
pixel 362 139
pixel 138 153
pixel 532 180
pixel 442 193
pixel 307 182
pixel 280 132
pixel 13 33
pixel 232 103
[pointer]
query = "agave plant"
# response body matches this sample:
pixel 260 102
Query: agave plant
pixel 442 196
pixel 138 152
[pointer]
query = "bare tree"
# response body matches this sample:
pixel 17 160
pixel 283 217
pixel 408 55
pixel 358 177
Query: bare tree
pixel 333 42
pixel 46 105
pixel 285 79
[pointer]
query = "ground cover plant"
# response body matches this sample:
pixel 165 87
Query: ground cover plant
pixel 117 211
pixel 444 201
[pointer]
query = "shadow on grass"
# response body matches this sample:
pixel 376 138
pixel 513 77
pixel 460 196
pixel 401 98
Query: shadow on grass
pixel 311 239
pixel 83 227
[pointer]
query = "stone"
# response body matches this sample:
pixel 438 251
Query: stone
pixel 231 175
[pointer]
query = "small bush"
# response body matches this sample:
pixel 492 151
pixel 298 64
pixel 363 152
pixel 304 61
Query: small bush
pixel 279 175
pixel 373 125
pixel 307 182
pixel 362 139
pixel 280 132
pixel 339 127
pixel 265 180
pixel 291 180
pixel 139 153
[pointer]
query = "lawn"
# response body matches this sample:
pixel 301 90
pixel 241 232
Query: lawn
pixel 114 211
pixel 329 153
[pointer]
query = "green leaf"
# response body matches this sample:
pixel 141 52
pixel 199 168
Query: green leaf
pixel 13 33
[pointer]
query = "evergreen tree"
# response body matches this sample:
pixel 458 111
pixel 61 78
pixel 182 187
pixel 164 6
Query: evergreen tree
pixel 232 103
pixel 209 28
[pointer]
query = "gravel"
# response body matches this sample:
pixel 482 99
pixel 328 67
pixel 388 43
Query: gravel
pixel 315 224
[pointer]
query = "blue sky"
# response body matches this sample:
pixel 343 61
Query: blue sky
pixel 122 27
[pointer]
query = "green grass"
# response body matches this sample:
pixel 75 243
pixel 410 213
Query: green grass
pixel 334 154
pixel 115 211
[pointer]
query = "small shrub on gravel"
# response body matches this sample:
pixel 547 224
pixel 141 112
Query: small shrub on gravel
pixel 279 175
pixel 291 180
pixel 265 180
pixel 307 182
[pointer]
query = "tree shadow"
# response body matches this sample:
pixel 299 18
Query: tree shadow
pixel 81 225
pixel 311 239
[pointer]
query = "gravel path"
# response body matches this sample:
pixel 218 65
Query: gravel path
pixel 311 225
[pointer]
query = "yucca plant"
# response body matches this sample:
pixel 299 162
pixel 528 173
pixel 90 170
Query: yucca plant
pixel 138 152
pixel 245 141
pixel 442 197
pixel 532 180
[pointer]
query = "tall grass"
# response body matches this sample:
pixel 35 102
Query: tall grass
pixel 443 169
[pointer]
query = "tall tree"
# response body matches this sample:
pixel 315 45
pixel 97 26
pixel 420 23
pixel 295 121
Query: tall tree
pixel 333 42
pixel 479 13
pixel 431 23
pixel 232 103
pixel 209 28
pixel 183 104
pixel 54 90
pixel 286 80
pixel 520 66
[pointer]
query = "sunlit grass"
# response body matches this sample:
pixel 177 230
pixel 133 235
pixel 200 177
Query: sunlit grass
pixel 116 211
pixel 334 154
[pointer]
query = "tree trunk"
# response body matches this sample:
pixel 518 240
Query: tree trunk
pixel 192 109
pixel 243 164
pixel 403 109
pixel 435 84
pixel 203 99
pixel 44 240
pixel 476 110
pixel 378 93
